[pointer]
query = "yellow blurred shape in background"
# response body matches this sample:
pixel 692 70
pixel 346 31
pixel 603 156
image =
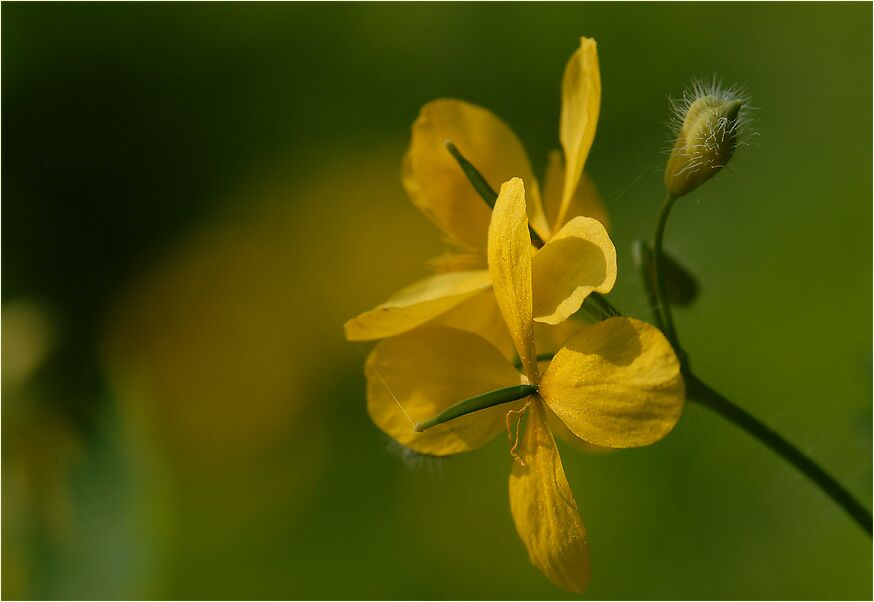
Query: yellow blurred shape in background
pixel 28 336
pixel 224 354
pixel 39 448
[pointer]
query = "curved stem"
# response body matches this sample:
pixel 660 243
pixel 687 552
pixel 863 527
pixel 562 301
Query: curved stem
pixel 701 393
pixel 658 264
pixel 643 261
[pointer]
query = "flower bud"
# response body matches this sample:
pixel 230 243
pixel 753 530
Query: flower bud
pixel 706 139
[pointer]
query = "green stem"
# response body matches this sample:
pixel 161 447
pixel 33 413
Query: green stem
pixel 474 404
pixel 475 178
pixel 659 273
pixel 700 392
pixel 658 263
pixel 480 184
pixel 603 305
pixel 643 260
pixel 540 357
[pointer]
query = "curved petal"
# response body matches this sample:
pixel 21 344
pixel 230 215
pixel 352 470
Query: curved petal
pixel 510 268
pixel 578 259
pixel 580 106
pixel 586 200
pixel 416 304
pixel 480 315
pixel 414 376
pixel 616 384
pixel 544 508
pixel 437 185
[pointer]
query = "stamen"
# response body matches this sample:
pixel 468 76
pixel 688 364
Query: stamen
pixel 510 437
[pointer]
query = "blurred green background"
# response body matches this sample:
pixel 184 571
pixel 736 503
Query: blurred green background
pixel 195 197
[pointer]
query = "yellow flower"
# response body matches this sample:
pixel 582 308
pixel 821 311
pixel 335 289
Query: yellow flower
pixel 614 384
pixel 461 296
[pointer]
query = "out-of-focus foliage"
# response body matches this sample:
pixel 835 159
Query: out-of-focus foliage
pixel 196 197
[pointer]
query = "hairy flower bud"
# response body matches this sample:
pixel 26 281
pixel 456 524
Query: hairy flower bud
pixel 708 135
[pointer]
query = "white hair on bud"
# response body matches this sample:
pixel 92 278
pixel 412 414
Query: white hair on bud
pixel 709 122
pixel 712 86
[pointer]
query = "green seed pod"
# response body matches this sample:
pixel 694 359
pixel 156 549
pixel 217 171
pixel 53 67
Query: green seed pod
pixel 706 140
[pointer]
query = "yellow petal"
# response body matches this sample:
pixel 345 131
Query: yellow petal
pixel 414 376
pixel 416 304
pixel 549 340
pixel 586 200
pixel 436 183
pixel 544 508
pixel 580 106
pixel 578 259
pixel 616 384
pixel 456 261
pixel 510 268
pixel 480 315
pixel 562 432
